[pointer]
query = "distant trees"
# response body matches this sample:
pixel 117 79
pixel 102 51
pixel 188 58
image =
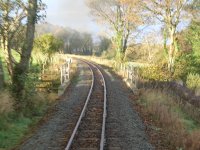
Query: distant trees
pixel 104 44
pixel 74 41
pixel 122 17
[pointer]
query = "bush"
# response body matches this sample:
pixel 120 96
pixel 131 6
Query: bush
pixel 187 63
pixel 156 72
pixel 193 81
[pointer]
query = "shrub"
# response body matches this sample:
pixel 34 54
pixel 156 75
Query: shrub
pixel 193 81
pixel 158 72
pixel 187 63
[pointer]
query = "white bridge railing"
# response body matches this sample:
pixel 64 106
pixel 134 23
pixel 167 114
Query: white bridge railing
pixel 130 73
pixel 65 71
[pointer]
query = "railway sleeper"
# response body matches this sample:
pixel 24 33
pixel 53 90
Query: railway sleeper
pixel 93 119
pixel 86 143
pixel 112 142
pixel 92 126
pixel 93 134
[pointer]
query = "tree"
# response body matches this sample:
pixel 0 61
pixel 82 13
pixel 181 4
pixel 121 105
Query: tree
pixel 104 44
pixel 191 36
pixel 1 75
pixel 194 8
pixel 87 44
pixel 21 68
pixel 170 13
pixel 11 17
pixel 122 16
pixel 48 44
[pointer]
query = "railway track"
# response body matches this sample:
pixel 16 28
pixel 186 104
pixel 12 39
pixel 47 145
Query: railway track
pixel 89 131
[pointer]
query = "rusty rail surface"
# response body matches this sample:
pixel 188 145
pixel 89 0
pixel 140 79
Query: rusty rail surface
pixel 92 135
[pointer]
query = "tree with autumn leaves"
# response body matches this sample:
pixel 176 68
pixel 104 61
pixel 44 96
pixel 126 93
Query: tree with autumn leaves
pixel 125 16
pixel 170 13
pixel 121 16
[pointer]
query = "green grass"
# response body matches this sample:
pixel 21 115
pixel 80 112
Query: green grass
pixel 11 134
pixel 189 123
pixel 13 130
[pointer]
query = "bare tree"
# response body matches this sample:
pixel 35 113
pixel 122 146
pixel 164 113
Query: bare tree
pixel 171 13
pixel 122 16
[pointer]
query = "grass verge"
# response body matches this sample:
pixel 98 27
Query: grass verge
pixel 14 130
pixel 13 126
pixel 169 126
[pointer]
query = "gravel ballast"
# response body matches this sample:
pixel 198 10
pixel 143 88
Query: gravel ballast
pixel 124 128
pixel 52 135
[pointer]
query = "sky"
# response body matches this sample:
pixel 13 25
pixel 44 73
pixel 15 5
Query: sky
pixel 76 15
pixel 71 13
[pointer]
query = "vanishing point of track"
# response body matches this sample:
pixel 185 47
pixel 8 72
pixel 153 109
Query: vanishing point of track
pixel 89 131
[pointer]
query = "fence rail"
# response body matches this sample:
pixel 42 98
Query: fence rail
pixel 65 71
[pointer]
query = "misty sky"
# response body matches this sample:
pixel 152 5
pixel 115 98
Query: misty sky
pixel 70 13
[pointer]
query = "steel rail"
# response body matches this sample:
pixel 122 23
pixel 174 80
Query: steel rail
pixel 103 140
pixel 82 113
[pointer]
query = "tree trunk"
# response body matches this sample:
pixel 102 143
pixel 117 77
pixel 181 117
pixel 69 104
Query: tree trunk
pixel 171 55
pixel 119 46
pixel 125 41
pixel 5 45
pixel 119 36
pixel 21 69
pixel 1 75
pixel 8 57
pixel 165 36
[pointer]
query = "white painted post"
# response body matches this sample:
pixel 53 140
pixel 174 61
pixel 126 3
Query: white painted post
pixel 132 73
pixel 65 71
pixel 124 70
pixel 68 69
pixel 61 75
pixel 136 77
pixel 127 72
